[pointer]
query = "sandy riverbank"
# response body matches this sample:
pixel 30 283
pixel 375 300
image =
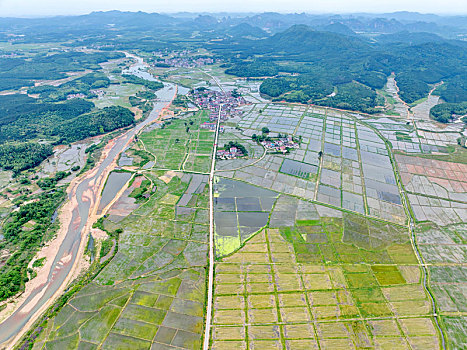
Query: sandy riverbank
pixel 91 194
pixel 52 248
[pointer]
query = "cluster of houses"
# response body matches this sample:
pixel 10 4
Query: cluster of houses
pixel 212 100
pixel 72 96
pixel 282 145
pixel 211 126
pixel 187 62
pixel 182 59
pixel 231 153
pixel 99 93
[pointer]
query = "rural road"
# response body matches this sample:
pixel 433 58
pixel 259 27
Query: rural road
pixel 207 328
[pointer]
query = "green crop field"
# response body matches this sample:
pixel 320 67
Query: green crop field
pixel 181 144
pixel 152 292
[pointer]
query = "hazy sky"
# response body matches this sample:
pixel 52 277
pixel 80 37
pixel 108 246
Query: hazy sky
pixel 52 7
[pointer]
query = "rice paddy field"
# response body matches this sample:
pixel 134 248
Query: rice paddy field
pixel 341 162
pixel 334 264
pixel 181 144
pixel 437 189
pixel 274 294
pixel 152 292
pixel 192 77
pixel 255 151
pixel 323 247
pixel 117 94
pixel 444 249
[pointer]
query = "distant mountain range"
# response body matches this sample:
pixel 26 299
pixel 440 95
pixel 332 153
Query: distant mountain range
pixel 253 25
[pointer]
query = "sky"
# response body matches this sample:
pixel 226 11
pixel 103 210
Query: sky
pixel 27 8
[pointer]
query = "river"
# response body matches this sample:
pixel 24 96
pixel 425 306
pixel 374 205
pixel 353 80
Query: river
pixel 86 194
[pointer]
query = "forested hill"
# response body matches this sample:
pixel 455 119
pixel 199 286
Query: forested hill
pixel 54 115
pixel 24 119
pixel 308 57
pixel 310 44
pixel 21 71
pixel 353 65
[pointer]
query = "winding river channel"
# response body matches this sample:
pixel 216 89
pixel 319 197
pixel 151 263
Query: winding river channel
pixel 85 195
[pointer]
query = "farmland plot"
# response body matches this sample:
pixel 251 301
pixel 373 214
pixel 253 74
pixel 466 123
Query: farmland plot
pixel 151 294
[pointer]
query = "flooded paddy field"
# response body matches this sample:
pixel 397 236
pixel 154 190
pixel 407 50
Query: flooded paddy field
pixel 65 158
pixel 186 77
pixel 442 248
pixel 394 101
pixel 336 244
pixel 114 184
pixel 117 95
pixel 427 137
pixel 340 162
pixel 125 159
pixel 83 195
pixel 422 110
pixel 135 157
pixel 437 189
pixel 129 201
pixel 255 151
pixel 439 211
pixel 446 180
pixel 303 170
pixel 312 247
pixel 152 291
pixel 240 210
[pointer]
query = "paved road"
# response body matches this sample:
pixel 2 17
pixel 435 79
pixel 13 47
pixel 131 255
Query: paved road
pixel 207 328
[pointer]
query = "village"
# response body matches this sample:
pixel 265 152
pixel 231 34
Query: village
pixel 181 59
pixel 280 145
pixel 232 150
pixel 231 153
pixel 212 100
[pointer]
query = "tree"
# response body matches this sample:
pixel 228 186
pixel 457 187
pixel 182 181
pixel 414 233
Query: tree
pixel 236 94
pixel 265 130
pixel 22 156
